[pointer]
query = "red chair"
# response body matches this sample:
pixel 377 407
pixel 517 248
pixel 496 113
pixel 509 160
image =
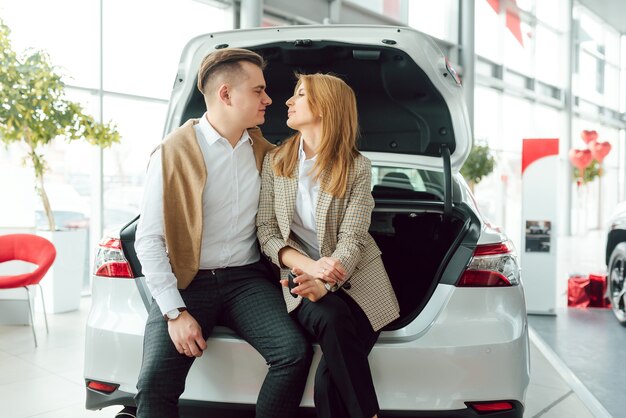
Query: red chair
pixel 32 249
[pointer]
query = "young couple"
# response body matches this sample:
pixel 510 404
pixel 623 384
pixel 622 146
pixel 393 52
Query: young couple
pixel 197 243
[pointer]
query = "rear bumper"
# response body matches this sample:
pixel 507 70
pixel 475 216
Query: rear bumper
pixel 193 409
pixel 474 349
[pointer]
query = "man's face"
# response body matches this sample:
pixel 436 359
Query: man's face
pixel 249 98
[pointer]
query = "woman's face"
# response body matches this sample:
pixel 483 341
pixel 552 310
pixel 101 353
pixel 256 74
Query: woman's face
pixel 299 114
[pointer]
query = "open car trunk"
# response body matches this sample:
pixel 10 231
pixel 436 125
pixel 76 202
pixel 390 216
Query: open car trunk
pixel 408 102
pixel 421 247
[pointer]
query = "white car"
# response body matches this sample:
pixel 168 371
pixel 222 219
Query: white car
pixel 460 347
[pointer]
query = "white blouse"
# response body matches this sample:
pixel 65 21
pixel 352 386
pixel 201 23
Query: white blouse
pixel 303 224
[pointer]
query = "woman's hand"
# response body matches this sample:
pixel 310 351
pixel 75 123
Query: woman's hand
pixel 327 269
pixel 308 286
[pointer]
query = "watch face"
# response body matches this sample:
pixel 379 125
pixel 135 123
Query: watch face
pixel 173 314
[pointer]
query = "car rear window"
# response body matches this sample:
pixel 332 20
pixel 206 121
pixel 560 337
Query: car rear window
pixel 406 183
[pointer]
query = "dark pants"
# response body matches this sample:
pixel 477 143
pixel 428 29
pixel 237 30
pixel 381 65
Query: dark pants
pixel 244 300
pixel 343 381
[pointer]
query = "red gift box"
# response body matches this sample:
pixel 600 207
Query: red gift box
pixel 587 292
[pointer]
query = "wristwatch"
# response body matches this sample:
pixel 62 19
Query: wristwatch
pixel 173 314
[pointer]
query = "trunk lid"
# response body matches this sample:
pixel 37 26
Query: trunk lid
pixel 410 101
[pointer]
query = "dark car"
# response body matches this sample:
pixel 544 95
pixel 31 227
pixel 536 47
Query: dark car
pixel 616 262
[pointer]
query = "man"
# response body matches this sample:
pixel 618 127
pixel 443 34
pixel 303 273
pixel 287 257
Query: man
pixel 196 240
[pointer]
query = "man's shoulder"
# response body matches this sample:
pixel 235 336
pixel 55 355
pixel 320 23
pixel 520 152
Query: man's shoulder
pixel 257 137
pixel 260 146
pixel 181 135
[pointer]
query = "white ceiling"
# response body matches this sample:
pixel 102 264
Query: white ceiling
pixel 611 11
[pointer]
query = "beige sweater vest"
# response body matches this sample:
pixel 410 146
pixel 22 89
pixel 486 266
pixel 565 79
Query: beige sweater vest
pixel 184 178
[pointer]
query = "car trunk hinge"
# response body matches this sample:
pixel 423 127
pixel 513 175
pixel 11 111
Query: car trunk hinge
pixel 447 176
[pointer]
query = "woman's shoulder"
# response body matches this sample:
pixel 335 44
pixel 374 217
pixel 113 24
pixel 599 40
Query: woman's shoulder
pixel 270 155
pixel 361 162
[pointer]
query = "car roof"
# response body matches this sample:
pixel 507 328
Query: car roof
pixel 408 97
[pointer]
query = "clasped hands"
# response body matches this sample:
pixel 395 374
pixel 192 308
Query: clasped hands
pixel 310 279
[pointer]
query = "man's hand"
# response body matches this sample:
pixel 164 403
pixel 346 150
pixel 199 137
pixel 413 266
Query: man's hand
pixel 186 335
pixel 308 286
pixel 327 269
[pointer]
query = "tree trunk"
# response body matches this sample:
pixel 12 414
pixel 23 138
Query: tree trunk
pixel 46 203
pixel 39 166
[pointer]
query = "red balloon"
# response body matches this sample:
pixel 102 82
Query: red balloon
pixel 580 158
pixel 599 150
pixel 589 136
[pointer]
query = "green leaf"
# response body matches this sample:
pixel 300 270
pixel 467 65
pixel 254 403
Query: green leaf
pixel 479 163
pixel 593 171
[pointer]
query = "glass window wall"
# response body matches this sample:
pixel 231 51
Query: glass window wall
pixel 442 21
pixel 389 8
pixel 140 123
pixel 534 68
pixel 73 44
pixel 142 42
pixel 141 54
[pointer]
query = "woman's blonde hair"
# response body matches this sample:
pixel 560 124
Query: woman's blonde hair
pixel 330 97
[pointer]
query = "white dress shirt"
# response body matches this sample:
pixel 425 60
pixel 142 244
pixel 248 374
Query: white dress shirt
pixel 230 202
pixel 303 223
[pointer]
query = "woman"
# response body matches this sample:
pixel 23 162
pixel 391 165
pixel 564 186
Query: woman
pixel 313 220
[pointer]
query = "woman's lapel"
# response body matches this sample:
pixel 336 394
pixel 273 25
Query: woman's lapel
pixel 287 195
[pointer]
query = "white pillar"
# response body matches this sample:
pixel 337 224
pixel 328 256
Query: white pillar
pixel 567 171
pixel 96 222
pixel 468 54
pixel 334 11
pixel 251 13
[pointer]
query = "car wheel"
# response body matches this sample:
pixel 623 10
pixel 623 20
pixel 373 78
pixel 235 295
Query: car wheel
pixel 617 287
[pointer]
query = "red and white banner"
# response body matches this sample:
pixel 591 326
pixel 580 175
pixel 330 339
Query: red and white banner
pixel 540 167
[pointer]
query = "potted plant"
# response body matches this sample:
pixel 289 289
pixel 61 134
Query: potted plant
pixel 479 163
pixel 34 111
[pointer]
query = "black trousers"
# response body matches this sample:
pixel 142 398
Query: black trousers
pixel 343 381
pixel 243 299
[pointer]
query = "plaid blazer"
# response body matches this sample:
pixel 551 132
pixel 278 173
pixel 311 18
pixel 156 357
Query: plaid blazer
pixel 342 232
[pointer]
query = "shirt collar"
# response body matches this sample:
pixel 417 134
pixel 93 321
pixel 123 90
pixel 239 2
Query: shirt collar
pixel 211 135
pixel 302 155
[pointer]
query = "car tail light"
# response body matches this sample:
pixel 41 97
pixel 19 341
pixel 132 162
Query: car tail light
pixel 492 265
pixel 110 260
pixel 102 387
pixel 495 406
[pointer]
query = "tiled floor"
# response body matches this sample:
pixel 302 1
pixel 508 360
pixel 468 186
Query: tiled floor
pixel 549 396
pixel 46 382
pixel 590 342
pixel 582 254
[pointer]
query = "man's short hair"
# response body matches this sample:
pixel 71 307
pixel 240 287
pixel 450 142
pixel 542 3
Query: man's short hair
pixel 223 62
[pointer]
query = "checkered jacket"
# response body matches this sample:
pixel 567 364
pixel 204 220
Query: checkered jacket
pixel 342 231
